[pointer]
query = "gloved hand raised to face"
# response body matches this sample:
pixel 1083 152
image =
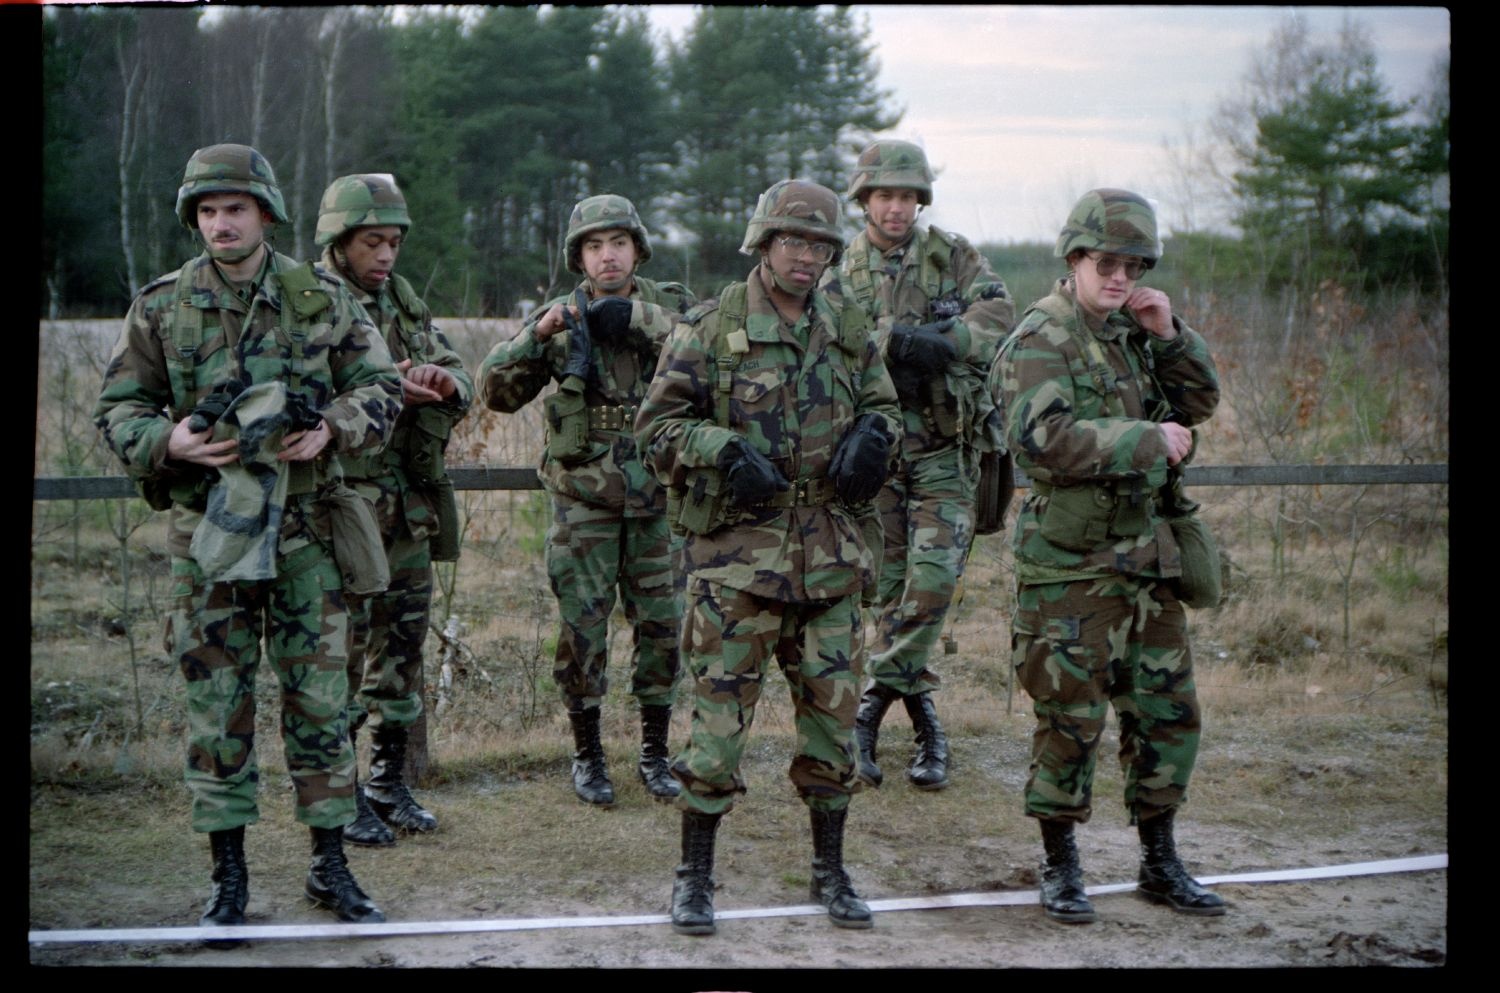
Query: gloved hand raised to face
pixel 212 407
pixel 750 476
pixel 861 461
pixel 922 345
pixel 609 318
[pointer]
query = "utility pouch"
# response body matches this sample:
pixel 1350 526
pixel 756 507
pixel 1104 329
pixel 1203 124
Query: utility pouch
pixel 357 546
pixel 1078 517
pixel 421 446
pixel 946 421
pixel 444 544
pixel 567 414
pixel 997 486
pixel 703 505
pixel 1201 584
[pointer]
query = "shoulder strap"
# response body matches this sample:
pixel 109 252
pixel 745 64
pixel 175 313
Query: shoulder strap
pixel 302 291
pixel 855 274
pixel 728 342
pixel 182 324
pixel 937 259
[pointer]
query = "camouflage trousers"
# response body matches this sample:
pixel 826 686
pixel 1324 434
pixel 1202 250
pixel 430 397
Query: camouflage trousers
pixel 595 554
pixel 214 631
pixel 927 515
pixel 387 630
pixel 1083 646
pixel 729 638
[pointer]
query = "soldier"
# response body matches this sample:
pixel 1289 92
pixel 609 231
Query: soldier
pixel 940 314
pixel 609 530
pixel 1100 384
pixel 362 222
pixel 241 323
pixel 771 419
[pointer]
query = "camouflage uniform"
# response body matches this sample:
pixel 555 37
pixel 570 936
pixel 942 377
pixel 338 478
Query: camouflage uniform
pixel 1097 621
pixel 317 340
pixel 927 506
pixel 608 536
pixel 387 630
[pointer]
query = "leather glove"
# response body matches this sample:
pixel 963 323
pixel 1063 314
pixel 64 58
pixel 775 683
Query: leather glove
pixel 922 345
pixel 302 416
pixel 609 318
pixel 861 461
pixel 580 350
pixel 750 476
pixel 908 380
pixel 212 407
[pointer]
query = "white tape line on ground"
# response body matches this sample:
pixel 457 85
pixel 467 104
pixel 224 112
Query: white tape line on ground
pixel 391 929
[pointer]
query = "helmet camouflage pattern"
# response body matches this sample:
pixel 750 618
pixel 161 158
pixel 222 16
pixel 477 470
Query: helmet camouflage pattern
pixel 1109 220
pixel 369 200
pixel 891 164
pixel 600 213
pixel 795 205
pixel 228 169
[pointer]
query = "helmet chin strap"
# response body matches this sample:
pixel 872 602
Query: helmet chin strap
pixel 784 285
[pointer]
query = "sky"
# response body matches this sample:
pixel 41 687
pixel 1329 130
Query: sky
pixel 1021 109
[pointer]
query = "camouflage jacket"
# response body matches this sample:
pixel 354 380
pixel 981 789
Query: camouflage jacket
pixel 1081 404
pixel 322 345
pixel 515 371
pixel 936 274
pixel 794 394
pixel 406 326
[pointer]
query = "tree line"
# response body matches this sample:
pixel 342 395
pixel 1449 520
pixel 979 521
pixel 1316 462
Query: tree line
pixel 496 120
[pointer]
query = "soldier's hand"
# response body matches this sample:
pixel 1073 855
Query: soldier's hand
pixel 1179 441
pixel 861 461
pixel 1153 311
pixel 186 445
pixel 212 407
pixel 426 383
pixel 299 446
pixel 609 318
pixel 552 322
pixel 923 345
pixel 908 380
pixel 580 350
pixel 750 476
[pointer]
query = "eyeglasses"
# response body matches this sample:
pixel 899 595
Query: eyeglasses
pixel 1105 265
pixel 820 251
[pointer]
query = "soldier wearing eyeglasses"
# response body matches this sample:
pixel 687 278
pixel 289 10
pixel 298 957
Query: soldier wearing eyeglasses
pixel 1100 385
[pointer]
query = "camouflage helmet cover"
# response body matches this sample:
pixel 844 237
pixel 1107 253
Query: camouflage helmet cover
pixel 600 213
pixel 228 169
pixel 1109 220
pixel 891 164
pixel 360 201
pixel 795 205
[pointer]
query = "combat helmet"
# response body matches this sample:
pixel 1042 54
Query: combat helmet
pixel 600 213
pixel 891 164
pixel 228 169
pixel 795 205
pixel 1109 220
pixel 361 201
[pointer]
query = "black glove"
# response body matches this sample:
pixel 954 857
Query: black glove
pixel 750 476
pixel 908 380
pixel 580 350
pixel 922 345
pixel 862 460
pixel 609 318
pixel 302 416
pixel 212 407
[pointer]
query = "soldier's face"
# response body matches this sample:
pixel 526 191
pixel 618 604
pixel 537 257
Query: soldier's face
pixel 372 255
pixel 1098 295
pixel 608 259
pixel 890 215
pixel 233 225
pixel 796 272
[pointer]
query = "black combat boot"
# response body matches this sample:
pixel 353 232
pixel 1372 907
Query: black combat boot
pixel 929 767
pixel 590 771
pixel 653 767
pixel 693 888
pixel 367 829
pixel 330 883
pixel 1063 897
pixel 1163 877
pixel 830 883
pixel 231 878
pixel 872 708
pixel 386 790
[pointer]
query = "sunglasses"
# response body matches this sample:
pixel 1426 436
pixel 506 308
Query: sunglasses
pixel 1105 265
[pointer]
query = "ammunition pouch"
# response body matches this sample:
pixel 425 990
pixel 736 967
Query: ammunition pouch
pixel 444 545
pixel 357 546
pixel 567 416
pixel 1090 515
pixel 420 443
pixel 997 486
pixel 1201 583
pixel 701 506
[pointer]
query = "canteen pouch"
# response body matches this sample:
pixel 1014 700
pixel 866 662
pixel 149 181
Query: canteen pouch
pixel 702 506
pixel 1201 583
pixel 357 547
pixel 444 545
pixel 997 486
pixel 567 416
